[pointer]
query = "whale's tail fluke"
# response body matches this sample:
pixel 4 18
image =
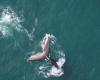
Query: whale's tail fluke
pixel 53 62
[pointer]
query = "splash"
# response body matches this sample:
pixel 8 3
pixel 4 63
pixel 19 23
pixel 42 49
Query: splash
pixel 10 17
pixel 47 70
pixel 4 31
pixel 57 72
pixel 8 22
pixel 6 18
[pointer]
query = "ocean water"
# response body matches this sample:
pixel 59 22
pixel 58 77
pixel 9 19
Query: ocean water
pixel 75 29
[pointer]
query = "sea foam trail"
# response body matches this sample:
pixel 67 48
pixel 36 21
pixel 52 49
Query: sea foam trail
pixel 52 71
pixel 9 21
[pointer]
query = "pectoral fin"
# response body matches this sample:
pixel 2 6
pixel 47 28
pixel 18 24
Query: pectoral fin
pixel 37 56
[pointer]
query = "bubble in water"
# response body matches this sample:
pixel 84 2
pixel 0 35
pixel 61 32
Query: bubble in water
pixel 8 22
pixel 6 18
pixel 57 72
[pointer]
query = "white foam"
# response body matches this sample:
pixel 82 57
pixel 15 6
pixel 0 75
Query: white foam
pixel 61 61
pixel 57 72
pixel 41 67
pixel 30 34
pixel 5 32
pixel 8 17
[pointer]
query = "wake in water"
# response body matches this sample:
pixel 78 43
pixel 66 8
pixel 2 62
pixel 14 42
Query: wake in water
pixel 47 69
pixel 10 22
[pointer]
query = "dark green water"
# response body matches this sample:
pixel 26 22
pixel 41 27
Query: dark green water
pixel 76 25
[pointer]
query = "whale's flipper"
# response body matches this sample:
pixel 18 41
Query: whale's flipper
pixel 44 53
pixel 37 56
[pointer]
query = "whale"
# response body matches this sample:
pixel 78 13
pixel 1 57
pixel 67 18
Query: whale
pixel 45 53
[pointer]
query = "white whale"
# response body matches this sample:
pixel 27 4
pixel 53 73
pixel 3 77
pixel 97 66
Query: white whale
pixel 44 54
